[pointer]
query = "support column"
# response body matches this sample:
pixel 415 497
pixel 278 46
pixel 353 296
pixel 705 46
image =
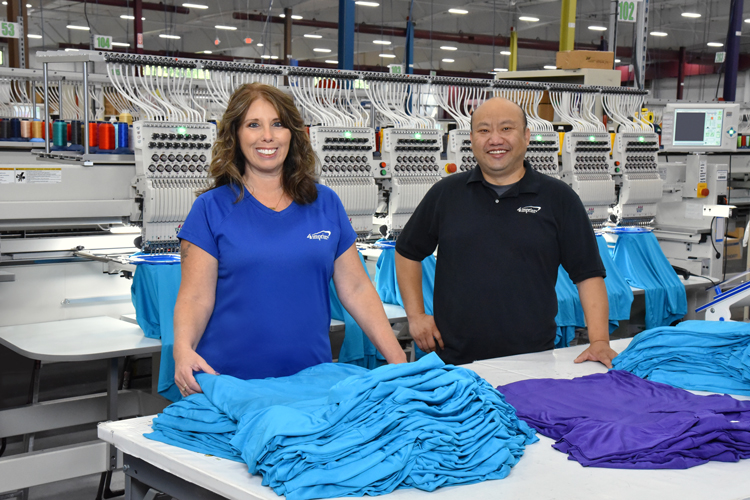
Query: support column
pixel 681 73
pixel 18 56
pixel 640 41
pixel 409 49
pixel 346 34
pixel 138 25
pixel 733 50
pixel 287 35
pixel 568 25
pixel 513 61
pixel 614 11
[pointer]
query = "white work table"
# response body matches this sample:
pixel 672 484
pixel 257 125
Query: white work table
pixel 71 340
pixel 542 473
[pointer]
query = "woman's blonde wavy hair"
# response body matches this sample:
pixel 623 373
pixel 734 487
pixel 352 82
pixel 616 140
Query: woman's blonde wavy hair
pixel 228 162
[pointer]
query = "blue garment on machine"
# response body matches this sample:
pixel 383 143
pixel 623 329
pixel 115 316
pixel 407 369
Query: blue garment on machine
pixel 697 355
pixel 569 311
pixel 643 264
pixel 386 283
pixel 154 294
pixel 337 430
pixel 357 348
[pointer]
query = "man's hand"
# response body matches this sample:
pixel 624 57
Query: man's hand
pixel 423 330
pixel 600 351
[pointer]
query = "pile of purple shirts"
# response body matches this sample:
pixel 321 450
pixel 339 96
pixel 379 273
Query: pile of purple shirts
pixel 619 420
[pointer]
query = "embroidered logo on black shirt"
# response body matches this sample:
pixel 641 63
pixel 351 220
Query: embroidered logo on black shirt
pixel 529 210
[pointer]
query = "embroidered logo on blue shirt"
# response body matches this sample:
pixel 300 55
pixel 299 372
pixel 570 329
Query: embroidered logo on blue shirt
pixel 529 210
pixel 320 235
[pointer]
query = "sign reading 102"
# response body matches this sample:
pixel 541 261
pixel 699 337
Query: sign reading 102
pixel 628 10
pixel 102 42
pixel 9 30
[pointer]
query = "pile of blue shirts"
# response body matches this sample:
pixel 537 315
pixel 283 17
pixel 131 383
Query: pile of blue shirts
pixel 618 420
pixel 340 430
pixel 698 355
pixel 641 261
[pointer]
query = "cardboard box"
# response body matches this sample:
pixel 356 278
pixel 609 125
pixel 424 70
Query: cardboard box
pixel 546 112
pixel 578 59
pixel 733 249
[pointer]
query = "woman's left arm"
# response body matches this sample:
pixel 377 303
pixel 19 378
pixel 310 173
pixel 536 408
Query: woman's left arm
pixel 360 299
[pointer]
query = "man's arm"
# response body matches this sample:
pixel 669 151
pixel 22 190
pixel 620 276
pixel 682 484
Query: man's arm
pixel 593 294
pixel 421 326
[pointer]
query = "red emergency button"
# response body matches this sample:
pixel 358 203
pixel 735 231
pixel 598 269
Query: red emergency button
pixel 617 163
pixel 450 168
pixel 382 164
pixel 704 192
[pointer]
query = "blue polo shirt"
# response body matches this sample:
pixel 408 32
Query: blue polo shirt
pixel 272 312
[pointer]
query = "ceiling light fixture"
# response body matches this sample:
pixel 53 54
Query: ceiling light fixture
pixel 381 42
pixel 259 44
pixel 448 47
pixel 28 5
pixel 388 56
pixel 458 11
pixel 194 6
pixel 597 28
pixel 265 56
pixel 617 60
pixel 692 15
pixel 529 19
pixel 312 35
pixel 71 50
pixel 125 16
pixel 34 36
pixel 448 60
pixel 171 37
pixel 367 4
pixel 74 27
pixel 205 52
pixel 657 33
pixel 294 16
pixel 501 69
pixel 322 50
pixel 274 57
pixel 715 44
pixel 550 67
pixel 120 44
pixel 228 28
pixel 505 52
pixel 331 61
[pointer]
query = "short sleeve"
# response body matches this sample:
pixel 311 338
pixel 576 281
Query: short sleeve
pixel 197 228
pixel 579 252
pixel 419 238
pixel 348 234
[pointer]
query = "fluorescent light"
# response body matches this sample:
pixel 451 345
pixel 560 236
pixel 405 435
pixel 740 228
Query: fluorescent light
pixel 692 15
pixel 331 61
pixel 5 3
pixel 617 60
pixel 28 5
pixel 34 36
pixel 230 28
pixel 501 69
pixel 746 20
pixel 715 44
pixel 321 50
pixel 265 56
pixel 367 4
pixel 597 28
pixel 388 56
pixel 194 6
pixel 657 33
pixel 312 35
pixel 448 47
pixel 259 44
pixel 125 16
pixel 74 27
pixel 448 60
pixel 295 16
pixel 382 42
pixel 171 37
pixel 204 52
pixel 505 52
pixel 71 50
pixel 120 44
pixel 458 11
pixel 528 19
pixel 274 57
pixel 550 67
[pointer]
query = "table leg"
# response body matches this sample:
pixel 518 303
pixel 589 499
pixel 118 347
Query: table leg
pixel 112 392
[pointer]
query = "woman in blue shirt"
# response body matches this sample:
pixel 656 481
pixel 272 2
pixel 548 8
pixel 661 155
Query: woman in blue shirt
pixel 258 250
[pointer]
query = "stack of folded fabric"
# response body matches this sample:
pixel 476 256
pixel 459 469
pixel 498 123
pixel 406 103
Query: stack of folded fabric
pixel 619 420
pixel 341 430
pixel 699 355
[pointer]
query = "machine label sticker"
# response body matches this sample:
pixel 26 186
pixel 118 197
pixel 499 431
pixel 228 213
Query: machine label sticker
pixel 320 235
pixel 721 175
pixel 694 211
pixel 7 175
pixel 45 175
pixel 702 176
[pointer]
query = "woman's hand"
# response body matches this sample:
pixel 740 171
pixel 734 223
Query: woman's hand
pixel 186 362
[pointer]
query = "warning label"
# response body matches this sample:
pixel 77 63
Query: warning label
pixel 7 175
pixel 38 175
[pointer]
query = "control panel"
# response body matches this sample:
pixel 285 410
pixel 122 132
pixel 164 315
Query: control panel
pixel 635 153
pixel 411 152
pixel 459 155
pixel 543 153
pixel 172 164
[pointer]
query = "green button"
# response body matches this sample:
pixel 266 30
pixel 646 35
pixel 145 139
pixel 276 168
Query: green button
pixel 617 169
pixel 383 172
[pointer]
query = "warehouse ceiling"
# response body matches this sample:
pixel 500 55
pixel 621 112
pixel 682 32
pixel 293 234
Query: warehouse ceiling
pixel 198 33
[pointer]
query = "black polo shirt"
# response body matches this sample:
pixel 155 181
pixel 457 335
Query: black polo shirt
pixel 498 259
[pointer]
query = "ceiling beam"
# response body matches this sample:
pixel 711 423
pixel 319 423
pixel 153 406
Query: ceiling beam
pixel 145 5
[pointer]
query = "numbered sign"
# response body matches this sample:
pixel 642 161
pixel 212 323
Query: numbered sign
pixel 102 42
pixel 628 10
pixel 10 30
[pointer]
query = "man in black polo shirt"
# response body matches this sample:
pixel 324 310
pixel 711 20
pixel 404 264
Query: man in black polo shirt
pixel 502 230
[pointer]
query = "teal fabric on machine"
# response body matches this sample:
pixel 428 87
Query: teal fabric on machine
pixel 336 430
pixel 643 264
pixel 695 355
pixel 386 283
pixel 619 294
pixel 154 294
pixel 357 348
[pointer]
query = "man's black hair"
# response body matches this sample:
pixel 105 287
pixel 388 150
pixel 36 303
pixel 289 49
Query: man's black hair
pixel 523 114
